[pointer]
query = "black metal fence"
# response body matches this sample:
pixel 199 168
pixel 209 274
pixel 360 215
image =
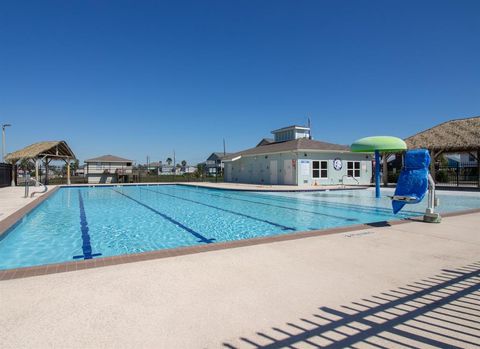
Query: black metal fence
pixel 144 177
pixel 459 175
pixel 5 175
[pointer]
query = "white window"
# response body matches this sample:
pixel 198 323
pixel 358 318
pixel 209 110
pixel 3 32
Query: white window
pixel 353 169
pixel 319 169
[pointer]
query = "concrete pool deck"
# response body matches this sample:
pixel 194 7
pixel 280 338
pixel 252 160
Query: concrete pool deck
pixel 408 285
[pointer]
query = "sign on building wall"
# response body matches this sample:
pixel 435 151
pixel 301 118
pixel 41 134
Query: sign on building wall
pixel 305 167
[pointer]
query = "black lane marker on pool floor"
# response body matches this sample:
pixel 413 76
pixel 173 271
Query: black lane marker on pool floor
pixel 284 227
pixel 170 219
pixel 284 207
pixel 335 205
pixel 86 246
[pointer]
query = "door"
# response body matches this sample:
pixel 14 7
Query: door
pixel 228 172
pixel 273 172
pixel 287 172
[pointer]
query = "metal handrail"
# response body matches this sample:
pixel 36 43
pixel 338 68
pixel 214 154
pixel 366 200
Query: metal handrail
pixel 348 176
pixel 45 188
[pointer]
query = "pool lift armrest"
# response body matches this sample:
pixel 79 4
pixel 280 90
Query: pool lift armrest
pixel 430 215
pixel 404 198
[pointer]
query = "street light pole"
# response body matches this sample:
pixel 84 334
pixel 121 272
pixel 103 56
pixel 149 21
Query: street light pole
pixel 3 141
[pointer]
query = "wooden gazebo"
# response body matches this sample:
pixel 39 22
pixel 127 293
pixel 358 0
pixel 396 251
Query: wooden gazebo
pixel 454 136
pixel 46 152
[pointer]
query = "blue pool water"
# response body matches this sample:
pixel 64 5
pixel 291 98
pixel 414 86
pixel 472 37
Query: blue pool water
pixel 89 222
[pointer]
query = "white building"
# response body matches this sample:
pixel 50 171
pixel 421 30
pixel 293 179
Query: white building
pixel 295 159
pixel 108 169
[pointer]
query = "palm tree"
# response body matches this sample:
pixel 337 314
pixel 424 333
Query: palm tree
pixel 169 161
pixel 184 163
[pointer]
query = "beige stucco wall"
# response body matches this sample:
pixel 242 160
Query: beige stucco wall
pixel 260 169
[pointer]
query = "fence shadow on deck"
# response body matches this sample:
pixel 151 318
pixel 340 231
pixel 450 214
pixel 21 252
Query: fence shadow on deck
pixel 438 312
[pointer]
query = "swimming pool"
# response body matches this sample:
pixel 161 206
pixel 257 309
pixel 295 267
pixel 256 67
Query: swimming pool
pixel 89 222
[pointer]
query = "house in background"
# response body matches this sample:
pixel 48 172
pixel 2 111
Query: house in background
pixel 214 163
pixel 108 169
pixel 295 159
pixel 80 171
pixel 188 169
pixel 462 159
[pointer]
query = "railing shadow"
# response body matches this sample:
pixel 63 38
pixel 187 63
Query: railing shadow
pixel 438 312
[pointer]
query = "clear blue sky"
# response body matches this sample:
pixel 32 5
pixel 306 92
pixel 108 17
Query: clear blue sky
pixel 137 78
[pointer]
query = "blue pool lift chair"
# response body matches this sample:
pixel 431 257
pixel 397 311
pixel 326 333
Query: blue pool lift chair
pixel 414 182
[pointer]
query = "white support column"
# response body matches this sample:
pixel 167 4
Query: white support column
pixel 13 174
pixel 478 166
pixel 37 179
pixel 68 172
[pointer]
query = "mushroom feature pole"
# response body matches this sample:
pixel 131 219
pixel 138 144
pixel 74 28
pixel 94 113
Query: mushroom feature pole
pixel 377 145
pixel 377 174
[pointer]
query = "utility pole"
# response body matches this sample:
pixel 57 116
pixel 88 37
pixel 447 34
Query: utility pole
pixel 4 149
pixel 309 129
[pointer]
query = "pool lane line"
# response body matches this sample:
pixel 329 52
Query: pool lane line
pixel 319 194
pixel 284 227
pixel 318 203
pixel 285 207
pixel 86 245
pixel 383 210
pixel 170 219
pixel 337 205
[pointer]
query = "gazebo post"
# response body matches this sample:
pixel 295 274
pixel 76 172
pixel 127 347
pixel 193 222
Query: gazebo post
pixel 46 171
pixel 432 163
pixel 13 173
pixel 68 172
pixel 478 167
pixel 377 173
pixel 36 172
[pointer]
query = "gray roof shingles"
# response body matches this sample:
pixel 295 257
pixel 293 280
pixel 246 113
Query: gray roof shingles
pixel 297 144
pixel 108 158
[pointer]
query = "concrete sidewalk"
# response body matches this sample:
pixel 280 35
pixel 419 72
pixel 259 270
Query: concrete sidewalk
pixel 226 298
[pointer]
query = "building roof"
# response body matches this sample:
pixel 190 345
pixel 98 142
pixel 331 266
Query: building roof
pixel 451 136
pixel 50 149
pixel 108 158
pixel 265 141
pixel 218 155
pixel 296 144
pixel 290 127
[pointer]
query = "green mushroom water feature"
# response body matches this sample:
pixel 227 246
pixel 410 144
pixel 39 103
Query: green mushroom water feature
pixel 378 144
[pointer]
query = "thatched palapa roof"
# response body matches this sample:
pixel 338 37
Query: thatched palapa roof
pixel 49 149
pixel 461 135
